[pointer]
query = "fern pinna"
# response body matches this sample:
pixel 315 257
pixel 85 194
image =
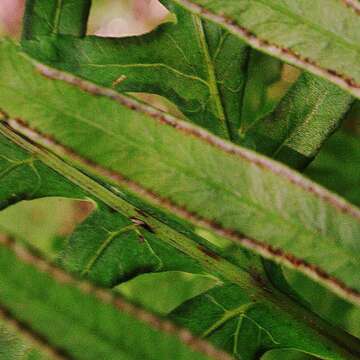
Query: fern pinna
pixel 203 197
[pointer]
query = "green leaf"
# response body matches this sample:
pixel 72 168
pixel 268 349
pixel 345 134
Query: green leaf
pixel 295 131
pixel 11 346
pixel 23 177
pixel 152 168
pixel 226 78
pixel 163 292
pixel 245 329
pixel 106 262
pixel 320 37
pixel 18 343
pixel 53 17
pixel 177 56
pixel 287 355
pixel 43 222
pixel 320 300
pixel 238 267
pixel 108 248
pixel 148 221
pixel 224 188
pixel 337 168
pixel 262 73
pixel 119 331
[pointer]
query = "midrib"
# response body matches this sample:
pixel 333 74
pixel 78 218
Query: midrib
pixel 57 16
pixel 310 116
pixel 212 81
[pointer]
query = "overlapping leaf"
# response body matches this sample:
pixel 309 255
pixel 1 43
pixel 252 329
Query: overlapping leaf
pixel 321 36
pixel 308 114
pixel 146 159
pixel 105 227
pixel 120 249
pixel 229 83
pixel 25 177
pixel 245 329
pixel 222 184
pixel 241 269
pixel 52 17
pixel 337 166
pixel 119 330
pixel 189 54
pixel 324 303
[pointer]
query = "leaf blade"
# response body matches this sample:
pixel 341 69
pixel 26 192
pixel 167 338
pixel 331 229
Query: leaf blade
pixel 241 192
pixel 246 330
pixel 74 300
pixel 46 18
pixel 199 54
pixel 338 156
pixel 304 119
pixel 241 268
pixel 167 62
pixel 334 57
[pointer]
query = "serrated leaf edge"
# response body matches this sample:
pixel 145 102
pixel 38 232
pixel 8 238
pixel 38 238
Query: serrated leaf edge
pixel 268 251
pixel 107 297
pixel 263 249
pixel 342 80
pixel 195 131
